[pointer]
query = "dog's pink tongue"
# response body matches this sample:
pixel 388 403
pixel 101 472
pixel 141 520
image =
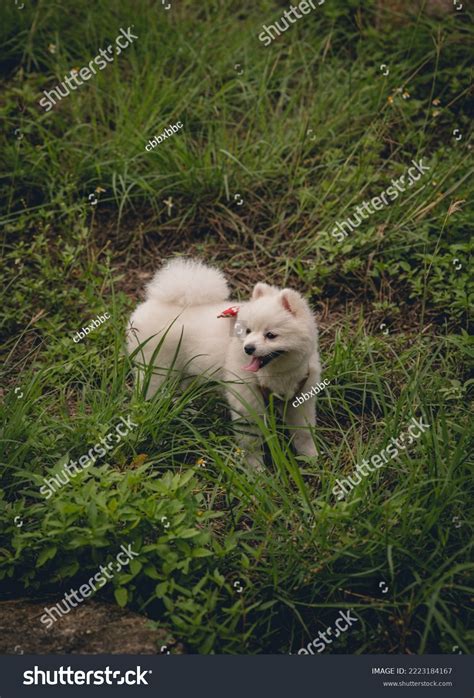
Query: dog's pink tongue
pixel 253 366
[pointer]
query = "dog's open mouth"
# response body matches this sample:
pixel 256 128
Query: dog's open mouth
pixel 259 362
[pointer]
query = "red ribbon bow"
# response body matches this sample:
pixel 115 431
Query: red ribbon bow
pixel 230 312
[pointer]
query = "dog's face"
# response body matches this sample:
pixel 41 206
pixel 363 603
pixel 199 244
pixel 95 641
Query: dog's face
pixel 275 323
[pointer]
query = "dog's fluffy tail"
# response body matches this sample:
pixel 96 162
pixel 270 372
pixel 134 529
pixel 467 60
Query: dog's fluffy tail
pixel 186 282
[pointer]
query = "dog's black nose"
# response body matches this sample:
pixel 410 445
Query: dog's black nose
pixel 249 349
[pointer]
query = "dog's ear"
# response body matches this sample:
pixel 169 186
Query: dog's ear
pixel 292 301
pixel 261 289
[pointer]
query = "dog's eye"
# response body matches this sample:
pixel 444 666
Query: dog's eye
pixel 248 331
pixel 270 335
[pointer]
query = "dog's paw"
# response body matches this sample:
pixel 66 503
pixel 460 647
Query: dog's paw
pixel 255 463
pixel 306 447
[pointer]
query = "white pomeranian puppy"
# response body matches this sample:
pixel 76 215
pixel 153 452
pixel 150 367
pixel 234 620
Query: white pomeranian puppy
pixel 265 346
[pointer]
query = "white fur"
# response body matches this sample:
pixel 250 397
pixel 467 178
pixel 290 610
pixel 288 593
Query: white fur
pixel 184 299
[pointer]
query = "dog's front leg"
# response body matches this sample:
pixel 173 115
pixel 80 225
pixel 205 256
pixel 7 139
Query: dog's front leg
pixel 300 420
pixel 245 406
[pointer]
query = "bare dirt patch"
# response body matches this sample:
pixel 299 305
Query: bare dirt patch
pixel 94 628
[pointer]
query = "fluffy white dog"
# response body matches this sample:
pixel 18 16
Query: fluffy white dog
pixel 262 347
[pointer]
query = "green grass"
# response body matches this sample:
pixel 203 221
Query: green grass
pixel 304 134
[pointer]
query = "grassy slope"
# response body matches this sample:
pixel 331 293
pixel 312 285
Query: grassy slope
pixel 304 134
